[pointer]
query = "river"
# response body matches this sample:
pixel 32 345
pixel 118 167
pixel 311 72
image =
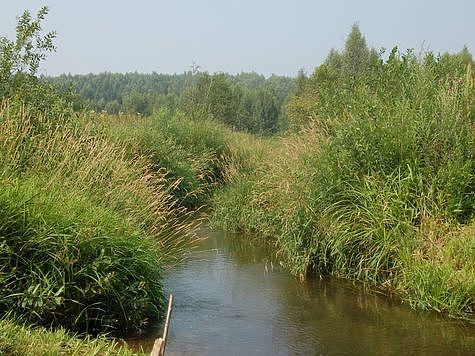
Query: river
pixel 233 298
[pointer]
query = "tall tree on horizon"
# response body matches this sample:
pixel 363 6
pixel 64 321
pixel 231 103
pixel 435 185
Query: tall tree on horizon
pixel 356 52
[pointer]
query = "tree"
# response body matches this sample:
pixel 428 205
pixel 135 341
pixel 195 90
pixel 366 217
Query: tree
pixel 265 112
pixel 301 83
pixel 356 53
pixel 20 59
pixel 136 102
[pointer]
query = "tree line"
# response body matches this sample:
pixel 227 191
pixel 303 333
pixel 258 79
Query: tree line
pixel 247 101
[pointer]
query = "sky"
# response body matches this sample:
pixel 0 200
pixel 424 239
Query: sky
pixel 265 36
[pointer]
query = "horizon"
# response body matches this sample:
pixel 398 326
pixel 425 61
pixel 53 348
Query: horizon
pixel 265 37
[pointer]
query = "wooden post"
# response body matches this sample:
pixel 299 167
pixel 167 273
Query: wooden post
pixel 160 343
pixel 158 347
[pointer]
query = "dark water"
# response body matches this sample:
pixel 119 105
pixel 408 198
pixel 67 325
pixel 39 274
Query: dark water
pixel 231 298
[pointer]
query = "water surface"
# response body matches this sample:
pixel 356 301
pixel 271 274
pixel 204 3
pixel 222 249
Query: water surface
pixel 232 298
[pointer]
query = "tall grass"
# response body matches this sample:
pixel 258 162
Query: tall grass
pixel 191 153
pixel 85 229
pixel 18 340
pixel 379 187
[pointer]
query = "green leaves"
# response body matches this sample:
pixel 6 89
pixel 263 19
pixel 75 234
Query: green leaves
pixel 25 53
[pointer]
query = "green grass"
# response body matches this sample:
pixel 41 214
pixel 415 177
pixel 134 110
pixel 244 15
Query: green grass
pixel 439 272
pixel 18 340
pixel 190 152
pixel 85 229
pixel 384 163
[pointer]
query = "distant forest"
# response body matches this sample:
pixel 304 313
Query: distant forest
pixel 247 102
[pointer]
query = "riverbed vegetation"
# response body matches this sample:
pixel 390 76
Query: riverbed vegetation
pixel 86 226
pixel 190 153
pixel 19 340
pixel 363 170
pixel 375 180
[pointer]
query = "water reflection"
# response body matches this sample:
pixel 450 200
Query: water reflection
pixel 233 299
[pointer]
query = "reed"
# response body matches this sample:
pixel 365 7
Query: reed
pixel 382 167
pixel 190 153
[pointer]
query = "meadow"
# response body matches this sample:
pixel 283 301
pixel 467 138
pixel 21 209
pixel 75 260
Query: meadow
pixel 365 170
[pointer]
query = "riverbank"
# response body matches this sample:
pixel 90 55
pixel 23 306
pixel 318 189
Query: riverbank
pixel 375 184
pixel 17 340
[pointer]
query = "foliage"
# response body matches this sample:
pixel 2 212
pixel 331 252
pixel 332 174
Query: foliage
pixel 190 152
pixel 247 101
pixel 84 230
pixel 21 58
pixel 19 63
pixel 127 93
pixel 377 182
pixel 85 227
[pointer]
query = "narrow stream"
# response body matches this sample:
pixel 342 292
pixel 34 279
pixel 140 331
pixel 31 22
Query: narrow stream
pixel 232 298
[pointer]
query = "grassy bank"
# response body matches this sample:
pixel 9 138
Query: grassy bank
pixel 92 207
pixel 190 153
pixel 377 182
pixel 17 340
pixel 85 229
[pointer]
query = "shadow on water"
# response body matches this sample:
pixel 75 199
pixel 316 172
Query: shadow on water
pixel 232 298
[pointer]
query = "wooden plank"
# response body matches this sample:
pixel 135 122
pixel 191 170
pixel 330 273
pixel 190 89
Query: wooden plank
pixel 167 320
pixel 160 343
pixel 157 347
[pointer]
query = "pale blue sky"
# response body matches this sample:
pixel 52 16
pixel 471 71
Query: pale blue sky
pixel 266 36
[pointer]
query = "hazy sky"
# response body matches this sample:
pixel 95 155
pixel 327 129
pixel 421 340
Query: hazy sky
pixel 266 36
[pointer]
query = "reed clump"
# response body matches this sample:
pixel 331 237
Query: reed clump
pixel 377 180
